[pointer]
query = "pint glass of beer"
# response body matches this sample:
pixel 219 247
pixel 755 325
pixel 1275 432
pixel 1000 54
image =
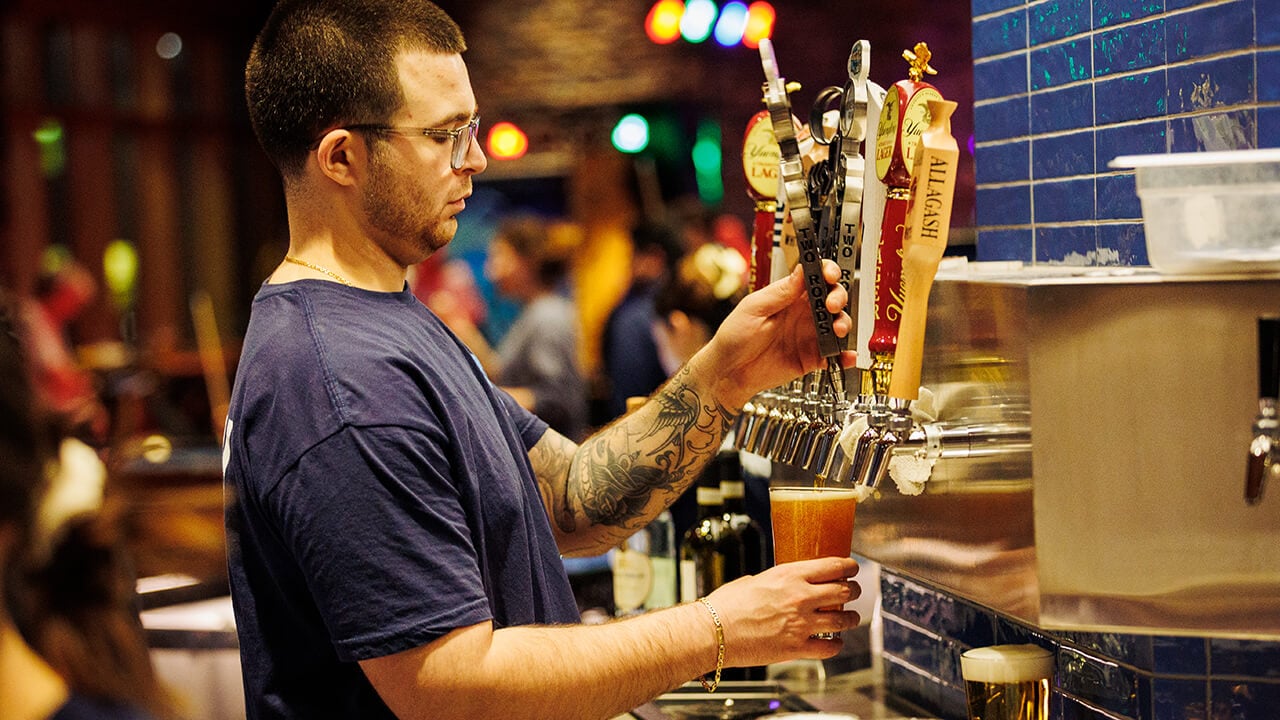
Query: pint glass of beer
pixel 1007 682
pixel 812 522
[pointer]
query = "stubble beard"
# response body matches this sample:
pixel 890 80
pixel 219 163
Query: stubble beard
pixel 396 213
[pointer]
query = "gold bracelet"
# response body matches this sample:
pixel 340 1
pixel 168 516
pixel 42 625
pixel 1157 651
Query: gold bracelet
pixel 715 617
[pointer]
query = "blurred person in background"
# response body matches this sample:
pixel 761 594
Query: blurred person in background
pixel 536 360
pixel 396 521
pixel 63 290
pixel 629 353
pixel 71 645
pixel 689 306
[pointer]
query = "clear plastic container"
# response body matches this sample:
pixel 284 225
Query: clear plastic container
pixel 1210 212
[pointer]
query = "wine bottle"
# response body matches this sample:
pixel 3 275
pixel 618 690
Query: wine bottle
pixel 742 542
pixel 662 562
pixel 701 563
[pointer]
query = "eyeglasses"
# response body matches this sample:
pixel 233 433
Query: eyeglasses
pixel 461 136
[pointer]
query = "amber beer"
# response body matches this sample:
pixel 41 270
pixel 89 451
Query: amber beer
pixel 1007 682
pixel 811 522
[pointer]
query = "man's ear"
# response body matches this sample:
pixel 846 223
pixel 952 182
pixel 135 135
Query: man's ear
pixel 340 156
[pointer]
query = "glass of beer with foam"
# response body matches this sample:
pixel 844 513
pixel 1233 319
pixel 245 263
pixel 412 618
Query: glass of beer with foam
pixel 812 522
pixel 1007 682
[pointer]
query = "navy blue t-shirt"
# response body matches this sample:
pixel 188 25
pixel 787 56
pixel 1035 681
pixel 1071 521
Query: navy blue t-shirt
pixel 380 496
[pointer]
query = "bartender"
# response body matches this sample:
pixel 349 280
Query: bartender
pixel 396 521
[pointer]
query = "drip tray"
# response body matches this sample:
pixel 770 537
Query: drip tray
pixel 732 700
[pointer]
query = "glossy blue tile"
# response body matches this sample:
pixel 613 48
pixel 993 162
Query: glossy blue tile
pixel 1130 649
pixel 1006 205
pixel 1179 699
pixel 1001 77
pixel 1063 201
pixel 1013 632
pixel 939 612
pixel 1062 155
pixel 1066 109
pixel 1000 34
pixel 1073 709
pixel 1268 23
pixel 1211 83
pixel 1060 63
pixel 1001 120
pixel 1131 97
pixel 1130 48
pixel 1004 245
pixel 1126 242
pixel 1250 700
pixel 1232 130
pixel 1269 127
pixel 1112 12
pixel 1068 245
pixel 1244 658
pixel 1118 200
pixel 1269 73
pixel 1210 30
pixel 1100 682
pixel 906 682
pixel 985 7
pixel 1180 655
pixel 1003 162
pixel 1141 139
pixel 1059 19
pixel 938 656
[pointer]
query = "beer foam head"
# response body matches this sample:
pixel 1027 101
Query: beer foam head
pixel 1006 664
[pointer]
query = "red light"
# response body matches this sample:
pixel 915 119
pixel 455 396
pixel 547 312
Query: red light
pixel 760 19
pixel 507 141
pixel 663 23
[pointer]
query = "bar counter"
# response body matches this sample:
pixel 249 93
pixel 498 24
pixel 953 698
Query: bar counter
pixel 858 694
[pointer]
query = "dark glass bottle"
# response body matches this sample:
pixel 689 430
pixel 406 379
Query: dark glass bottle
pixel 742 543
pixel 702 565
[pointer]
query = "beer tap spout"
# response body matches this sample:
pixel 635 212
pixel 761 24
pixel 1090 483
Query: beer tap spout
pixel 935 441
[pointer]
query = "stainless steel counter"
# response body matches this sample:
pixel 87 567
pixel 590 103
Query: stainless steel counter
pixel 857 693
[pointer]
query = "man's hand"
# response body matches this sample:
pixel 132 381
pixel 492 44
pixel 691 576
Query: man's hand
pixel 770 338
pixel 770 617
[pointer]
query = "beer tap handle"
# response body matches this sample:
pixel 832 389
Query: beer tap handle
pixel 793 182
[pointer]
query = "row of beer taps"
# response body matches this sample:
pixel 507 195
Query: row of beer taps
pixel 885 221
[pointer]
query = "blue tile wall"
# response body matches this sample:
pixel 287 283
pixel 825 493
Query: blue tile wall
pixel 1052 77
pixel 1099 676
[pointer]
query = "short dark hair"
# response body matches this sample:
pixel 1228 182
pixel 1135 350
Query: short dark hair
pixel 320 64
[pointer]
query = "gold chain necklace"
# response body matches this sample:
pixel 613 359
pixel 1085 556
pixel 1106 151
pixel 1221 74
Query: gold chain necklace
pixel 317 268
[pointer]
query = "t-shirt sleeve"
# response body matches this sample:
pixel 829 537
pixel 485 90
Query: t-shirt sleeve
pixel 530 426
pixel 378 528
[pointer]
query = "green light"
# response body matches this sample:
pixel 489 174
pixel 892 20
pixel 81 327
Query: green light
pixel 708 161
pixel 53 151
pixel 631 134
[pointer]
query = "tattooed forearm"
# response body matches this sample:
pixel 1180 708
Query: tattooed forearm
pixel 628 472
pixel 551 458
